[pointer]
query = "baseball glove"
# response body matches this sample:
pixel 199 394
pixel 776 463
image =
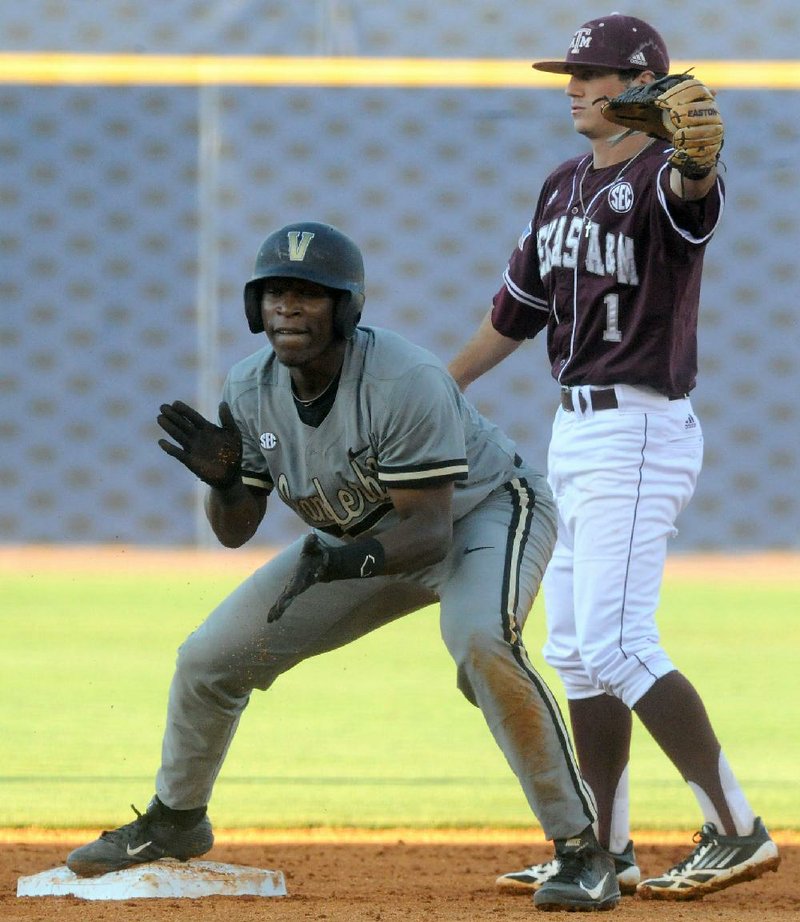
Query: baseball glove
pixel 677 108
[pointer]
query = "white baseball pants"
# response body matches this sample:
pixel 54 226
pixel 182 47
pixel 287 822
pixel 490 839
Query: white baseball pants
pixel 620 478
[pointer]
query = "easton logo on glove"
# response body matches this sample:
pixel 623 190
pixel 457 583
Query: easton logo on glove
pixel 677 108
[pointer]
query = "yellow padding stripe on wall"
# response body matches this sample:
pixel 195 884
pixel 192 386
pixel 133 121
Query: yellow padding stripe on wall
pixel 196 70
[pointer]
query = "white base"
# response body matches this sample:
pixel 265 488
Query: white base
pixel 164 878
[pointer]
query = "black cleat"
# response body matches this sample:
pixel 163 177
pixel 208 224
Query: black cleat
pixel 149 837
pixel 530 879
pixel 586 880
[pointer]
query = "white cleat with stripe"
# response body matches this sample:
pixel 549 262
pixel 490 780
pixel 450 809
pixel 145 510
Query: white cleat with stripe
pixel 717 862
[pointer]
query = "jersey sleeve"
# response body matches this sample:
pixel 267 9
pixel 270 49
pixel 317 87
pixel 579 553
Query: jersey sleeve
pixel 255 472
pixel 422 440
pixel 693 221
pixel 519 309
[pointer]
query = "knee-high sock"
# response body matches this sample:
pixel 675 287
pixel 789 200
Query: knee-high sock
pixel 676 718
pixel 601 729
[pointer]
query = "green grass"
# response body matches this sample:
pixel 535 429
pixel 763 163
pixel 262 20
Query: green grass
pixel 373 735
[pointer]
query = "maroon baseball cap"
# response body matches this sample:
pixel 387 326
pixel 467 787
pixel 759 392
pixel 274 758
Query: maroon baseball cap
pixel 614 41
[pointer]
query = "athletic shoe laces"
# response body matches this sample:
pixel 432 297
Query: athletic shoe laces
pixel 142 821
pixel 704 839
pixel 572 862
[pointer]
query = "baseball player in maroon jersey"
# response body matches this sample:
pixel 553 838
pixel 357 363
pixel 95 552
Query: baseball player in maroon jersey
pixel 610 266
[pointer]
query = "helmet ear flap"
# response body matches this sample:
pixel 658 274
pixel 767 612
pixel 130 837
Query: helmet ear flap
pixel 347 313
pixel 252 305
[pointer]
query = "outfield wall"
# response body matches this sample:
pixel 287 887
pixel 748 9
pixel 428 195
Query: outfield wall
pixel 132 213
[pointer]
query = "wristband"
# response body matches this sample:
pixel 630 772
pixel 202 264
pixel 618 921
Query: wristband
pixel 354 561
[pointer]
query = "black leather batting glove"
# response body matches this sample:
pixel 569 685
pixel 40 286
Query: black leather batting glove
pixel 311 568
pixel 319 563
pixel 212 453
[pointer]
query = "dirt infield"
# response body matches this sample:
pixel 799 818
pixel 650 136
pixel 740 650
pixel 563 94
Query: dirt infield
pixel 776 567
pixel 399 879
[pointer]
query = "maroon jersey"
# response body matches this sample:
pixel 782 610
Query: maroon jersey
pixel 611 265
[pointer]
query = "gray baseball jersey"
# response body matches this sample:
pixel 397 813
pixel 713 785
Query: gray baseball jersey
pixel 398 421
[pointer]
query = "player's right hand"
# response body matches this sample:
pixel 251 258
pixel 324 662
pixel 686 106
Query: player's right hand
pixel 311 568
pixel 212 453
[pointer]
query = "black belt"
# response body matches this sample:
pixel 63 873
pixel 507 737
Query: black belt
pixel 601 400
pixel 605 399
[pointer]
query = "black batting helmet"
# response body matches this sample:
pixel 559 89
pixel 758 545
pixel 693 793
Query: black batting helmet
pixel 318 253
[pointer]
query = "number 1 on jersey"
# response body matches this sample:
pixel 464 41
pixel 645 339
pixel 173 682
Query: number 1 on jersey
pixel 612 332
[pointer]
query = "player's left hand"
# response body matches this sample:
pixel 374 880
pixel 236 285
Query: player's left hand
pixel 692 111
pixel 213 453
pixel 311 568
pixel 677 108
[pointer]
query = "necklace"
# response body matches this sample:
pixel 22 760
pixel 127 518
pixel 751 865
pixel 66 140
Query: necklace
pixel 586 210
pixel 322 393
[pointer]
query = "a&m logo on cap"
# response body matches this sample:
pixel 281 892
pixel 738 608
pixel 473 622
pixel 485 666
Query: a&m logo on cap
pixel 581 39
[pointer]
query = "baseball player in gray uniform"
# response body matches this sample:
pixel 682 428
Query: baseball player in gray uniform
pixel 610 266
pixel 411 498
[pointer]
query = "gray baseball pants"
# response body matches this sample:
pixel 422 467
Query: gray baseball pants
pixel 485 588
